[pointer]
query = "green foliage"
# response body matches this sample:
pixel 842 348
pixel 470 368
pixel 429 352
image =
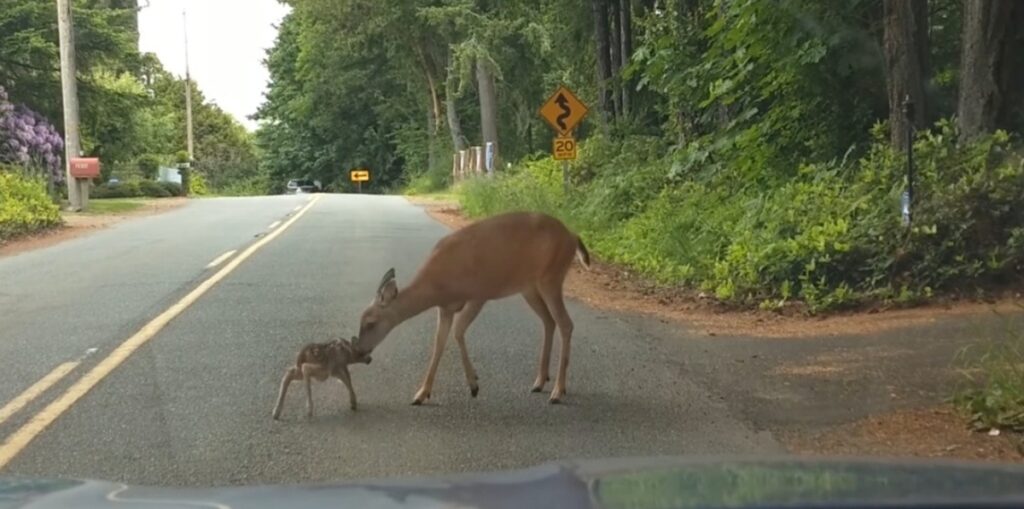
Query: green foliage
pixel 25 206
pixel 153 189
pixel 149 166
pixel 197 184
pixel 992 393
pixel 123 190
pixel 252 186
pixel 173 188
pixel 136 189
pixel 831 236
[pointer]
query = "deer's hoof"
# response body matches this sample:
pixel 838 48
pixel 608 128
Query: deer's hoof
pixel 417 402
pixel 554 400
pixel 473 391
pixel 276 416
pixel 537 388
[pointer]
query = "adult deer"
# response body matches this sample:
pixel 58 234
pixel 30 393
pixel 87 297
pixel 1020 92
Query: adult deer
pixel 519 252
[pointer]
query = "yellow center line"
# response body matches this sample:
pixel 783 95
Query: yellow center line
pixel 36 389
pixel 20 439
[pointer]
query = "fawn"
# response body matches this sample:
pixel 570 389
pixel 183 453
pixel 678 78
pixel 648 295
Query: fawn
pixel 320 361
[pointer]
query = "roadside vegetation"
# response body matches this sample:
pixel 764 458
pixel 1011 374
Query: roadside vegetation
pixel 992 391
pixel 131 109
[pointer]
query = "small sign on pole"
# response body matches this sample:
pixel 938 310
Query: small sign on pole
pixel 564 148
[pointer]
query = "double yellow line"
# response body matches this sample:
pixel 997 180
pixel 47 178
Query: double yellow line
pixel 20 439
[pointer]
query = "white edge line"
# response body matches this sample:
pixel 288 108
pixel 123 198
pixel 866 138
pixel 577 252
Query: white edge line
pixel 220 259
pixel 273 225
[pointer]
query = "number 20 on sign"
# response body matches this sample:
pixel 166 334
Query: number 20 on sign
pixel 564 148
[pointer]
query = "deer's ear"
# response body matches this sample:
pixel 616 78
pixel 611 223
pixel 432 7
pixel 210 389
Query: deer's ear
pixel 388 276
pixel 388 288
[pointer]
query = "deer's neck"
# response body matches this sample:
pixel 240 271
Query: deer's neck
pixel 414 299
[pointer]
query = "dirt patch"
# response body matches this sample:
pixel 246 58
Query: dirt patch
pixel 78 224
pixel 937 432
pixel 613 288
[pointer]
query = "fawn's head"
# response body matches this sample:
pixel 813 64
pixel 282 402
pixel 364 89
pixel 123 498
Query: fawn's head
pixel 378 318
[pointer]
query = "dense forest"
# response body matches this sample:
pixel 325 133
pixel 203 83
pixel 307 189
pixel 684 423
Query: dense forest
pixel 751 150
pixel 132 109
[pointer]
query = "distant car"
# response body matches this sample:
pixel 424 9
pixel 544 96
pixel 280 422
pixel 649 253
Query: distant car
pixel 113 182
pixel 299 186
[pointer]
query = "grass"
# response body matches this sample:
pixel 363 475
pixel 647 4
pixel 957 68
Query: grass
pixel 440 196
pixel 993 392
pixel 115 205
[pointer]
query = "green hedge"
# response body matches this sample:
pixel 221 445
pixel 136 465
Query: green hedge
pixel 144 188
pixel 25 207
pixel 831 236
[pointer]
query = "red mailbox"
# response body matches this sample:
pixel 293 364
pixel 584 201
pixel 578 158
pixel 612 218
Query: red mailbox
pixel 85 167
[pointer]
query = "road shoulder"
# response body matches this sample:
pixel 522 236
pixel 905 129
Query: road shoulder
pixel 77 224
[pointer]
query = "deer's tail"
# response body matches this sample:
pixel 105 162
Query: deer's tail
pixel 581 252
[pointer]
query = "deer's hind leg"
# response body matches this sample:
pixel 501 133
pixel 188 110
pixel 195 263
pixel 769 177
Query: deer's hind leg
pixel 289 376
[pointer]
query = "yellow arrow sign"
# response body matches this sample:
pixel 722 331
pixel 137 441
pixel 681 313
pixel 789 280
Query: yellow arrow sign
pixel 360 175
pixel 563 110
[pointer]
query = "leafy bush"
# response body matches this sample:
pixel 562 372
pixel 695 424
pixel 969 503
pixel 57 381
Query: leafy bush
pixel 123 190
pixel 153 189
pixel 25 206
pixel 197 184
pixel 28 140
pixel 173 188
pixel 993 392
pixel 830 236
pixel 258 185
pixel 149 166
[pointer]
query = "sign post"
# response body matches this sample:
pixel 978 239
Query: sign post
pixel 359 176
pixel 563 111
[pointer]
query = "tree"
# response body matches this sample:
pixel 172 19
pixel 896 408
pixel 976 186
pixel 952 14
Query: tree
pixel 906 53
pixel 602 47
pixel 988 32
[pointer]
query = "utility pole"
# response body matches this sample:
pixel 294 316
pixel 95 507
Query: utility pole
pixel 188 94
pixel 78 191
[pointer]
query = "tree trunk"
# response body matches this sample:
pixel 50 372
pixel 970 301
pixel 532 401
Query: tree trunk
pixel 615 55
pixel 452 114
pixel 906 43
pixel 604 66
pixel 626 43
pixel 488 105
pixel 983 62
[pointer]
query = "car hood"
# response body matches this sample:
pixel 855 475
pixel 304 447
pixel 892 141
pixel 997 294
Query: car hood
pixel 645 483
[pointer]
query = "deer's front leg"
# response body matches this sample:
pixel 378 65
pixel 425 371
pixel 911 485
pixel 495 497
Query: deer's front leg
pixel 444 326
pixel 289 376
pixel 343 375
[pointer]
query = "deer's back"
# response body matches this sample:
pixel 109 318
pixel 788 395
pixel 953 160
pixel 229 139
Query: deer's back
pixel 500 256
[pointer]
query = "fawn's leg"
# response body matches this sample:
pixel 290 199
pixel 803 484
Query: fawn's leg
pixel 289 376
pixel 309 372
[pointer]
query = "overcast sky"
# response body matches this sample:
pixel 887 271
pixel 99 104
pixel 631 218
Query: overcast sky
pixel 226 39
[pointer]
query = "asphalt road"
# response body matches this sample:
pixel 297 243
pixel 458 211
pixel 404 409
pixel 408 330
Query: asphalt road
pixel 192 405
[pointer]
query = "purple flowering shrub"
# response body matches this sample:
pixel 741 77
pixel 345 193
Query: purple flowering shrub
pixel 28 140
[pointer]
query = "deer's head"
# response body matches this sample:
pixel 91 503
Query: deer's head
pixel 379 317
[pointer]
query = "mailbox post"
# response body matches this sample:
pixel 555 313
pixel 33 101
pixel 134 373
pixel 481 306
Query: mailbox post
pixel 83 169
